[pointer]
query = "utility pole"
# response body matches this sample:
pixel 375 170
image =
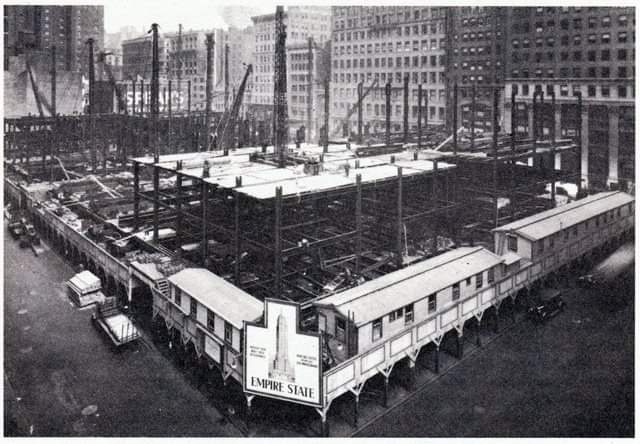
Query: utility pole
pixel 309 89
pixel 94 160
pixel 280 114
pixel 208 86
pixel 226 77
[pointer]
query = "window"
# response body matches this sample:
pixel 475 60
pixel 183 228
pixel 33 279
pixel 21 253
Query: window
pixel 456 291
pixel 606 37
pixel 341 327
pixel 512 243
pixel 491 276
pixel 622 54
pixel 395 315
pixel 228 332
pixel 622 91
pixel 468 281
pixel 479 281
pixel 193 308
pixel 605 91
pixel 178 296
pixel 605 55
pixel 541 246
pixel 591 90
pixel 622 37
pixel 211 324
pixel 408 314
pixel 432 303
pixel 376 329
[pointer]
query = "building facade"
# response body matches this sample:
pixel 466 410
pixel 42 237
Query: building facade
pixel 36 29
pixel 302 22
pixel 476 62
pixel 571 51
pixel 386 44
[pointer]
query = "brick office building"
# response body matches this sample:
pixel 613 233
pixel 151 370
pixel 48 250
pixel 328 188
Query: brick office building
pixel 387 43
pixel 571 50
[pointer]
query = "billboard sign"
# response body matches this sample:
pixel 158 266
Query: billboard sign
pixel 280 361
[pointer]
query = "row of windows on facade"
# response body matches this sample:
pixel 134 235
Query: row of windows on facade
pixel 367 16
pixel 482 20
pixel 475 50
pixel 415 30
pixel 571 232
pixel 605 39
pixel 592 22
pixel 576 56
pixel 414 77
pixel 409 62
pixel 384 47
pixel 379 110
pixel 396 94
pixel 576 72
pixel 605 90
pixel 528 11
pixel 193 312
pixel 406 312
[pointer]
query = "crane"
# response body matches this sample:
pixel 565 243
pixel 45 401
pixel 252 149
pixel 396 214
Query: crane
pixel 354 108
pixel 230 123
pixel 40 99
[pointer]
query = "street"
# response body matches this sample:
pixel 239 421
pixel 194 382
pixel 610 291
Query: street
pixel 570 377
pixel 62 377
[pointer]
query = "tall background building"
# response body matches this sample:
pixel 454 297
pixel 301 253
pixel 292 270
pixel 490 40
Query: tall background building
pixel 30 32
pixel 571 51
pixel 302 22
pixel 387 43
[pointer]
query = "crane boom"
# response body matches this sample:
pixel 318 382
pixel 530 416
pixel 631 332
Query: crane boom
pixel 230 123
pixel 354 108
pixel 40 99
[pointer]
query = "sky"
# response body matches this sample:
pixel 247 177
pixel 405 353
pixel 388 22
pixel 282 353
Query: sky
pixel 193 14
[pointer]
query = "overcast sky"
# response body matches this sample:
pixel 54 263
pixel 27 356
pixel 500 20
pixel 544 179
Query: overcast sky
pixel 193 14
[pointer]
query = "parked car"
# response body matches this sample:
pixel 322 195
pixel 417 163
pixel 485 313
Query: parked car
pixel 549 304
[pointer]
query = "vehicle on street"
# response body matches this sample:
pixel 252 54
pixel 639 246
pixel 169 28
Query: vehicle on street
pixel 549 304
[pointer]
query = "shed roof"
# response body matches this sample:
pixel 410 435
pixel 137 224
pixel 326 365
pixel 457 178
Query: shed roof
pixel 85 281
pixel 548 222
pixel 225 299
pixel 390 292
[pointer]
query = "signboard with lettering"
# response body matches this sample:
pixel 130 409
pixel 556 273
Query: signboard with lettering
pixel 280 361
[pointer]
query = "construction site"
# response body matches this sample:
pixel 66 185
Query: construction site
pixel 137 196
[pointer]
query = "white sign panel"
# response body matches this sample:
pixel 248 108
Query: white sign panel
pixel 281 362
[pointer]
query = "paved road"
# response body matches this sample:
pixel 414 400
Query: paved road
pixel 62 378
pixel 570 377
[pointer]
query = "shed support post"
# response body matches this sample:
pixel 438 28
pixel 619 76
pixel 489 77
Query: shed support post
pixel 358 221
pixel 385 400
pixel 249 399
pixel 496 325
pixel 478 341
pixel 459 345
pixel 356 410
pixel 437 359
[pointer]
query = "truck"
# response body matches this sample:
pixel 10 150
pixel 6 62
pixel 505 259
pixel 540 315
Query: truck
pixel 117 325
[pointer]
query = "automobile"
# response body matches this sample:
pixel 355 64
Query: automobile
pixel 549 304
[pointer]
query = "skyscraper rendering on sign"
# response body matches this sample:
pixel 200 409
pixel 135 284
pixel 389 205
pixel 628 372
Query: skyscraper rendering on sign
pixel 280 367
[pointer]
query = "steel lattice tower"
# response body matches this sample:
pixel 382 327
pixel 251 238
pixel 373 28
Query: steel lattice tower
pixel 280 115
